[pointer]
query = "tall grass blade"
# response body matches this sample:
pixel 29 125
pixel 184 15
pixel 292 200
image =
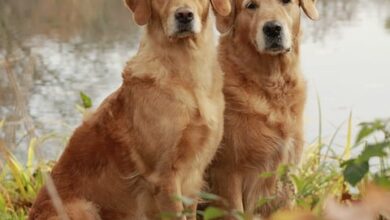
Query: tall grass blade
pixel 31 153
pixel 329 147
pixel 348 145
pixel 318 160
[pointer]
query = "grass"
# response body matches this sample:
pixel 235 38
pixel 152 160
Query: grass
pixel 323 174
pixel 19 182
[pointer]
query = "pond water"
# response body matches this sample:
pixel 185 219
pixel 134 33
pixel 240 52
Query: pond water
pixel 52 50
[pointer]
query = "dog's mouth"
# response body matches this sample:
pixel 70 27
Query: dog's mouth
pixel 184 31
pixel 276 45
pixel 277 48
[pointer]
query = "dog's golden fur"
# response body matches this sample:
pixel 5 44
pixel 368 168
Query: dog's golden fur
pixel 151 139
pixel 265 95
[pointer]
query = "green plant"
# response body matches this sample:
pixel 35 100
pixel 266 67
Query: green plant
pixel 19 182
pixel 373 161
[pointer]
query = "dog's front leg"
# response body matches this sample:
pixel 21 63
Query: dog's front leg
pixel 227 185
pixel 166 193
pixel 159 121
pixel 192 209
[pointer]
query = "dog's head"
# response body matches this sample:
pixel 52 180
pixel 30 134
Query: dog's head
pixel 269 25
pixel 177 18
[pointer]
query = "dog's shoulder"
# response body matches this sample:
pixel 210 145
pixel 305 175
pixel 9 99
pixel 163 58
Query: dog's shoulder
pixel 144 66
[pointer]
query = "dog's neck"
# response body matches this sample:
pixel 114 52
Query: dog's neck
pixel 244 59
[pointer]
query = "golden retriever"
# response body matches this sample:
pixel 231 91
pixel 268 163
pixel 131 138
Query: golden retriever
pixel 265 94
pixel 152 139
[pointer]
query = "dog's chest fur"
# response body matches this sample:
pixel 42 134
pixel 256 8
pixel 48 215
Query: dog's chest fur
pixel 263 121
pixel 198 92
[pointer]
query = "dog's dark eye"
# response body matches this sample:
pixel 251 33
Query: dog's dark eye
pixel 286 1
pixel 251 5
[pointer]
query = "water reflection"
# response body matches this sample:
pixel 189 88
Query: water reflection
pixel 54 49
pixel 51 50
pixel 334 14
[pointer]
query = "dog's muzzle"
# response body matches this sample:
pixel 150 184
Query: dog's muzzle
pixel 184 18
pixel 274 37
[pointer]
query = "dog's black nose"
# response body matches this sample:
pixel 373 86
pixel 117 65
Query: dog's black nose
pixel 272 29
pixel 184 15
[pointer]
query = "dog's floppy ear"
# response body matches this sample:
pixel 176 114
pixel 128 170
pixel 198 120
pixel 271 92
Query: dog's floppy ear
pixel 222 7
pixel 141 9
pixel 224 13
pixel 309 7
